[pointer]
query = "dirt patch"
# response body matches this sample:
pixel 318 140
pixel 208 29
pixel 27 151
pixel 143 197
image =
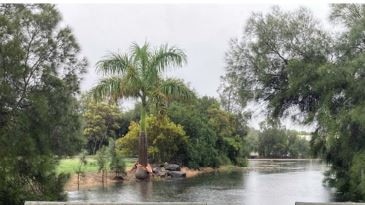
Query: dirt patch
pixel 196 172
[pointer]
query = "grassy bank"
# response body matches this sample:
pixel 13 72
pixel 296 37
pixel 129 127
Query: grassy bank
pixel 70 165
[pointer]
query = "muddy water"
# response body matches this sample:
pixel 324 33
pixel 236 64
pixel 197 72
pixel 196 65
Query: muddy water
pixel 264 182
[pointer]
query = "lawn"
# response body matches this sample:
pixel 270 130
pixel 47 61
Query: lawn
pixel 70 165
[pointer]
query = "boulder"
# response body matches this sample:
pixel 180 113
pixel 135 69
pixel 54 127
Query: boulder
pixel 141 173
pixel 176 174
pixel 172 167
pixel 156 170
pixel 159 171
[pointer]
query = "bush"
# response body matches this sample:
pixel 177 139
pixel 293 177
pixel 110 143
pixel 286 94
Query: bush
pixel 117 163
pixel 167 141
pixel 241 161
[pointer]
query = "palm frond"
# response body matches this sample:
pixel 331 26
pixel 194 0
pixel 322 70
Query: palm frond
pixel 114 64
pixel 113 88
pixel 167 56
pixel 106 88
pixel 141 55
pixel 174 89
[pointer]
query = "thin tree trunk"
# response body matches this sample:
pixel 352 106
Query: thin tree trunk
pixel 102 178
pixel 78 181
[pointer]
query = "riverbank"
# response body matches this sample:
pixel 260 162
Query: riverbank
pixel 282 159
pixel 93 179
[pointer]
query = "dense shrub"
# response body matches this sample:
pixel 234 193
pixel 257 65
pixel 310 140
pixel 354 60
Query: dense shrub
pixel 167 141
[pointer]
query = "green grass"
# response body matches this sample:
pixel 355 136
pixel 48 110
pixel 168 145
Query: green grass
pixel 70 165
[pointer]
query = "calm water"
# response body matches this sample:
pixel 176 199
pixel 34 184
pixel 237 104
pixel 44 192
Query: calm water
pixel 264 183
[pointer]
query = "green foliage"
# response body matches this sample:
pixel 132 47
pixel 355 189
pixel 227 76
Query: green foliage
pixel 252 140
pixel 128 144
pixel 288 61
pixel 272 143
pixel 102 159
pixel 70 165
pixel 276 142
pixel 167 140
pixel 80 169
pixel 101 122
pixel 39 79
pixel 215 136
pixel 298 147
pixel 127 118
pixel 357 176
pixel 117 162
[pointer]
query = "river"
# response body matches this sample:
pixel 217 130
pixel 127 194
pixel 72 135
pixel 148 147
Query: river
pixel 264 182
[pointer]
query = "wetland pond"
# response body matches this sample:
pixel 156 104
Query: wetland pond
pixel 264 182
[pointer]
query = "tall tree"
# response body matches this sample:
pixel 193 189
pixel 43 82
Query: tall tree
pixel 101 122
pixel 138 75
pixel 39 77
pixel 287 60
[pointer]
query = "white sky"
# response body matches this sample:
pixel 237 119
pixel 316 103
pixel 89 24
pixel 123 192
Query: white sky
pixel 201 30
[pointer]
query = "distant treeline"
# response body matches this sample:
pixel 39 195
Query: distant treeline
pixel 276 142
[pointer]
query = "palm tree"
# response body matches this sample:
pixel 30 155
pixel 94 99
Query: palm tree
pixel 138 75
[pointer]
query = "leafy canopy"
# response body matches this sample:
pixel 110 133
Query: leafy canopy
pixel 101 122
pixel 138 75
pixel 167 140
pixel 39 79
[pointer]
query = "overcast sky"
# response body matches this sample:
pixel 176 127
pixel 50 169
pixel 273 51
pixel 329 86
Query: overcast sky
pixel 201 30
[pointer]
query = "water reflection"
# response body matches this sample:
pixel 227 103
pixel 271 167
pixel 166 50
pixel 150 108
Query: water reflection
pixel 287 183
pixel 263 183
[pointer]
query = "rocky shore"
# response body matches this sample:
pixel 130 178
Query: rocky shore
pixel 93 179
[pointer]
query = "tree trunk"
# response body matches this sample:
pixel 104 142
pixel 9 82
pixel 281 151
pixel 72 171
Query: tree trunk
pixel 142 149
pixel 78 181
pixel 142 142
pixel 141 172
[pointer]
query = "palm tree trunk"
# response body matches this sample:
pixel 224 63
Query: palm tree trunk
pixel 142 146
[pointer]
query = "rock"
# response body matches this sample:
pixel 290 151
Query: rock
pixel 176 174
pixel 162 174
pixel 141 173
pixel 158 171
pixel 172 167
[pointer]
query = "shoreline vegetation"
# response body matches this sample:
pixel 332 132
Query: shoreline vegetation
pixel 93 179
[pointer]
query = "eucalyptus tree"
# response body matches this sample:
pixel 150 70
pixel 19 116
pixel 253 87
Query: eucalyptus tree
pixel 138 75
